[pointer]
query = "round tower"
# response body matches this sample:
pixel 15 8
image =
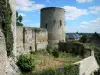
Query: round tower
pixel 53 19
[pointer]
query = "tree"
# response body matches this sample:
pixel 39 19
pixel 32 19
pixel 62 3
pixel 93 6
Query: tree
pixel 16 14
pixel 83 39
pixel 20 18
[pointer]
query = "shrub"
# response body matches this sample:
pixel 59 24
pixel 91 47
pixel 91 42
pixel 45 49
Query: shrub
pixel 49 51
pixel 71 70
pixel 83 39
pixel 55 53
pixel 25 64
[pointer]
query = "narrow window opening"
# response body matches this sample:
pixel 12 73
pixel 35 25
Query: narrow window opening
pixel 54 21
pixel 46 25
pixel 60 23
pixel 30 48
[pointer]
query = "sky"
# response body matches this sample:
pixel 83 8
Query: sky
pixel 80 15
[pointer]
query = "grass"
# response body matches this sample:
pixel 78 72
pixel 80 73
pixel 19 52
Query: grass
pixel 43 60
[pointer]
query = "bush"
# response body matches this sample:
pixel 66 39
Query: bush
pixel 25 64
pixel 71 70
pixel 83 39
pixel 55 53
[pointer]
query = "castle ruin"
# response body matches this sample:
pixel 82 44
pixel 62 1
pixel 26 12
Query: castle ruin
pixel 50 33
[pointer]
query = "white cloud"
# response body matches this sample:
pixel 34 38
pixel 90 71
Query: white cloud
pixel 83 1
pixel 73 12
pixel 86 27
pixel 22 14
pixel 95 22
pixel 94 10
pixel 28 5
pixel 92 26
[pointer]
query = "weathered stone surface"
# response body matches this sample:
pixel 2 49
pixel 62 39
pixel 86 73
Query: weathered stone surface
pixel 42 39
pixel 13 23
pixel 19 41
pixel 53 19
pixel 3 54
pixel 88 65
pixel 30 39
pixel 7 65
pixel 11 67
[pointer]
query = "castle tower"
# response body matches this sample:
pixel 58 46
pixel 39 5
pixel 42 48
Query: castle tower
pixel 53 19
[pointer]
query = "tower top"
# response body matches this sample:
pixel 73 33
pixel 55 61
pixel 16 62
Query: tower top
pixel 51 8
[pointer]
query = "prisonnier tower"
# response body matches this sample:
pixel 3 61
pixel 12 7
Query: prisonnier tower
pixel 53 19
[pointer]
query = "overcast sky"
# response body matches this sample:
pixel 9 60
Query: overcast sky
pixel 81 15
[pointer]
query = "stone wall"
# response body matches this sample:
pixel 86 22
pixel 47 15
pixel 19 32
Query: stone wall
pixel 30 39
pixel 75 49
pixel 41 38
pixel 13 23
pixel 19 40
pixel 3 53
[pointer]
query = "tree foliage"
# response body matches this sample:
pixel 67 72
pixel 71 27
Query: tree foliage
pixel 25 63
pixel 55 53
pixel 83 39
pixel 19 19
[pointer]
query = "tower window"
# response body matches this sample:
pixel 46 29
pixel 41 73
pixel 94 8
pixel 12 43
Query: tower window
pixel 54 21
pixel 30 48
pixel 60 23
pixel 46 25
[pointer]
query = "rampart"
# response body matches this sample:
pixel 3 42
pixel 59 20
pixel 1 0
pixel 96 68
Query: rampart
pixel 30 39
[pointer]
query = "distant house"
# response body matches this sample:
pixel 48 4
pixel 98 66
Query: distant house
pixel 72 36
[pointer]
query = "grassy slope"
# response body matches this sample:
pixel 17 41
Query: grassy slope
pixel 44 61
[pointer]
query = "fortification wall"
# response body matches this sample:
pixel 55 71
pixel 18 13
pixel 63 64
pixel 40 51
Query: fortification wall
pixel 3 53
pixel 30 39
pixel 41 38
pixel 13 24
pixel 19 40
pixel 75 48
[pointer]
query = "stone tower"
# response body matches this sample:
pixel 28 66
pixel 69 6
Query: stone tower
pixel 53 19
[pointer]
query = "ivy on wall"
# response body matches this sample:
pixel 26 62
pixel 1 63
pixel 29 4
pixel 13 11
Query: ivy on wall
pixel 6 25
